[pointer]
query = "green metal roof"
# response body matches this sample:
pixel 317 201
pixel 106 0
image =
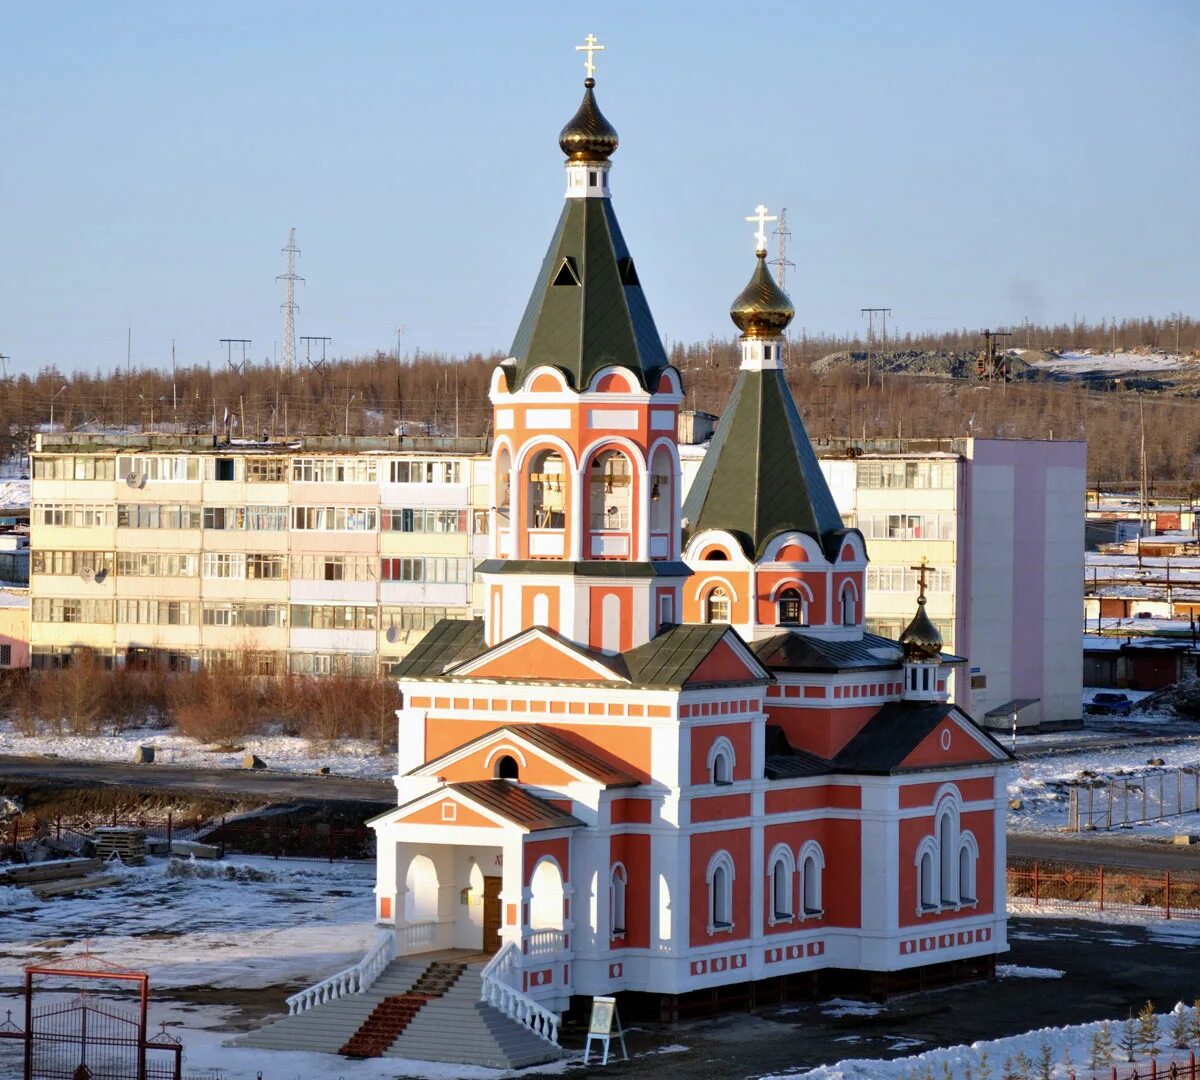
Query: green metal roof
pixel 760 476
pixel 668 660
pixel 449 641
pixel 587 310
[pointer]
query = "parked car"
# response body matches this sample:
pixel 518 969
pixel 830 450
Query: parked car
pixel 1110 703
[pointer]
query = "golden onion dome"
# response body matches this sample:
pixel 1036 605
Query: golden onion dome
pixel 921 640
pixel 587 135
pixel 762 308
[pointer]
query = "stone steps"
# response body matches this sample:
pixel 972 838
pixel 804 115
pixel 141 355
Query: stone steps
pixel 456 1027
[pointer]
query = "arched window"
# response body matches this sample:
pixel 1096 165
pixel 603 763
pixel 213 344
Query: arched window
pixel 546 897
pixel 849 618
pixel 661 502
pixel 716 606
pixel 812 869
pixel 926 882
pixel 793 608
pixel 968 859
pixel 946 843
pixel 781 876
pixel 610 490
pixel 421 890
pixel 720 761
pixel 720 892
pixel 547 502
pixel 503 485
pixel 616 901
pixel 716 555
pixel 506 768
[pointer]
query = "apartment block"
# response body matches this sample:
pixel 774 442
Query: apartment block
pixel 319 555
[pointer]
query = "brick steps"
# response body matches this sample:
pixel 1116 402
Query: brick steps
pixel 393 1014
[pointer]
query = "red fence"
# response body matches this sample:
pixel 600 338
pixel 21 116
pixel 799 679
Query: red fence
pixel 272 836
pixel 1177 1069
pixel 1144 893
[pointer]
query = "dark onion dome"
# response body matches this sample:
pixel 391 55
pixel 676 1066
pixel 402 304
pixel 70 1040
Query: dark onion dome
pixel 762 308
pixel 921 641
pixel 588 136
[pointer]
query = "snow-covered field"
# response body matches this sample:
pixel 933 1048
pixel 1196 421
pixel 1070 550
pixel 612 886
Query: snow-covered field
pixel 1119 363
pixel 348 757
pixel 14 493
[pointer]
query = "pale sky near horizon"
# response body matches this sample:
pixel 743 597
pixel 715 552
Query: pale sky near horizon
pixel 966 164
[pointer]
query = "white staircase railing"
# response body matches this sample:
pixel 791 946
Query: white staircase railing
pixel 500 991
pixel 354 980
pixel 416 938
pixel 546 942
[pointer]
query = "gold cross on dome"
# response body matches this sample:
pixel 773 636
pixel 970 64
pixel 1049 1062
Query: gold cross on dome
pixel 589 46
pixel 761 216
pixel 922 570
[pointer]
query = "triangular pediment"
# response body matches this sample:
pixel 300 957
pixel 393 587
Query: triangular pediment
pixel 728 661
pixel 955 740
pixel 537 655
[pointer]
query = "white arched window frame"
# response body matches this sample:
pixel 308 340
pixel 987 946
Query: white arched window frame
pixel 781 885
pixel 719 878
pixel 811 862
pixel 717 605
pixel 617 882
pixel 968 862
pixel 926 863
pixel 946 836
pixel 848 599
pixel 721 761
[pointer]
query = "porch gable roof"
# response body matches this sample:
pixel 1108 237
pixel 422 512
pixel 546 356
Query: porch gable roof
pixel 502 801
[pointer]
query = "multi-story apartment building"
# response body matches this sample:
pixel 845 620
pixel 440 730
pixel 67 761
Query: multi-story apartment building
pixel 1000 522
pixel 317 555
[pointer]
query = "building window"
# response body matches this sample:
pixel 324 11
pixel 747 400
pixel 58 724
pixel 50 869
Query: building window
pixel 781 876
pixel 5 656
pixel 224 564
pixel 417 471
pixel 793 608
pixel 926 884
pixel 435 571
pixel 716 606
pixel 721 761
pixel 547 504
pixel 507 768
pixel 720 893
pixel 968 859
pixel 812 869
pixel 849 616
pixel 616 901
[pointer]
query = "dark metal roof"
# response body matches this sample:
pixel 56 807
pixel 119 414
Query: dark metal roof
pixel 603 568
pixel 760 476
pixel 567 747
pixel 668 660
pixel 1010 707
pixel 597 315
pixel 794 651
pixel 786 762
pixel 895 732
pixel 449 641
pixel 515 804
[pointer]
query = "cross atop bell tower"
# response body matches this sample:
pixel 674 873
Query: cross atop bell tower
pixel 590 46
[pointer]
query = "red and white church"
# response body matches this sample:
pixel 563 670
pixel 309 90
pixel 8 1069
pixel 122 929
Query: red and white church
pixel 669 759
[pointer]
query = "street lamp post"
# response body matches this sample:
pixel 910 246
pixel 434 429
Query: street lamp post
pixel 52 400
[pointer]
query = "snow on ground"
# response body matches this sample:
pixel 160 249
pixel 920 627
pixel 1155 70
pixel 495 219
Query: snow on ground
pixel 14 494
pixel 1015 971
pixel 1040 782
pixel 279 923
pixel 1119 363
pixel 1069 1049
pixel 348 757
pixel 849 1007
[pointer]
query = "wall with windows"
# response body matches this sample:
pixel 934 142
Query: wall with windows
pixel 207 553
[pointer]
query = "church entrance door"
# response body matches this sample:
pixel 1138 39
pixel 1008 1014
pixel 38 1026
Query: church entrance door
pixel 491 914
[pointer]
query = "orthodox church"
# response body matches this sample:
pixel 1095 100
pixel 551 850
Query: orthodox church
pixel 669 759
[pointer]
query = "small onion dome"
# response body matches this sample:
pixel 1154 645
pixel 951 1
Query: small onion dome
pixel 588 136
pixel 921 640
pixel 762 308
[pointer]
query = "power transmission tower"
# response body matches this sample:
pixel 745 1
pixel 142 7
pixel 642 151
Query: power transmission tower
pixel 308 339
pixel 870 313
pixel 289 304
pixel 782 234
pixel 229 342
pixel 4 366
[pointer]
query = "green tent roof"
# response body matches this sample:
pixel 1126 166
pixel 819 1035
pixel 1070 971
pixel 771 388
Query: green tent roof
pixel 587 310
pixel 760 476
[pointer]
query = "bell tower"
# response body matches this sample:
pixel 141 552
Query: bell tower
pixel 585 536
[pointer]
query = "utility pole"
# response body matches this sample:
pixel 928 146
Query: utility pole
pixel 229 343
pixel 870 313
pixel 289 304
pixel 782 234
pixel 4 366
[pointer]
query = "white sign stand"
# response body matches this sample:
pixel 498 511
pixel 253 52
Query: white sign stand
pixel 600 1027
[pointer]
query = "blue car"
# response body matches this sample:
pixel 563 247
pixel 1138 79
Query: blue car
pixel 1110 703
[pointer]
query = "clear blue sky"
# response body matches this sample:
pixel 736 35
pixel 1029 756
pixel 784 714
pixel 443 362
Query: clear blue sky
pixel 964 163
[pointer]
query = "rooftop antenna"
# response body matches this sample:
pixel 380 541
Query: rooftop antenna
pixel 229 343
pixel 289 304
pixel 782 234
